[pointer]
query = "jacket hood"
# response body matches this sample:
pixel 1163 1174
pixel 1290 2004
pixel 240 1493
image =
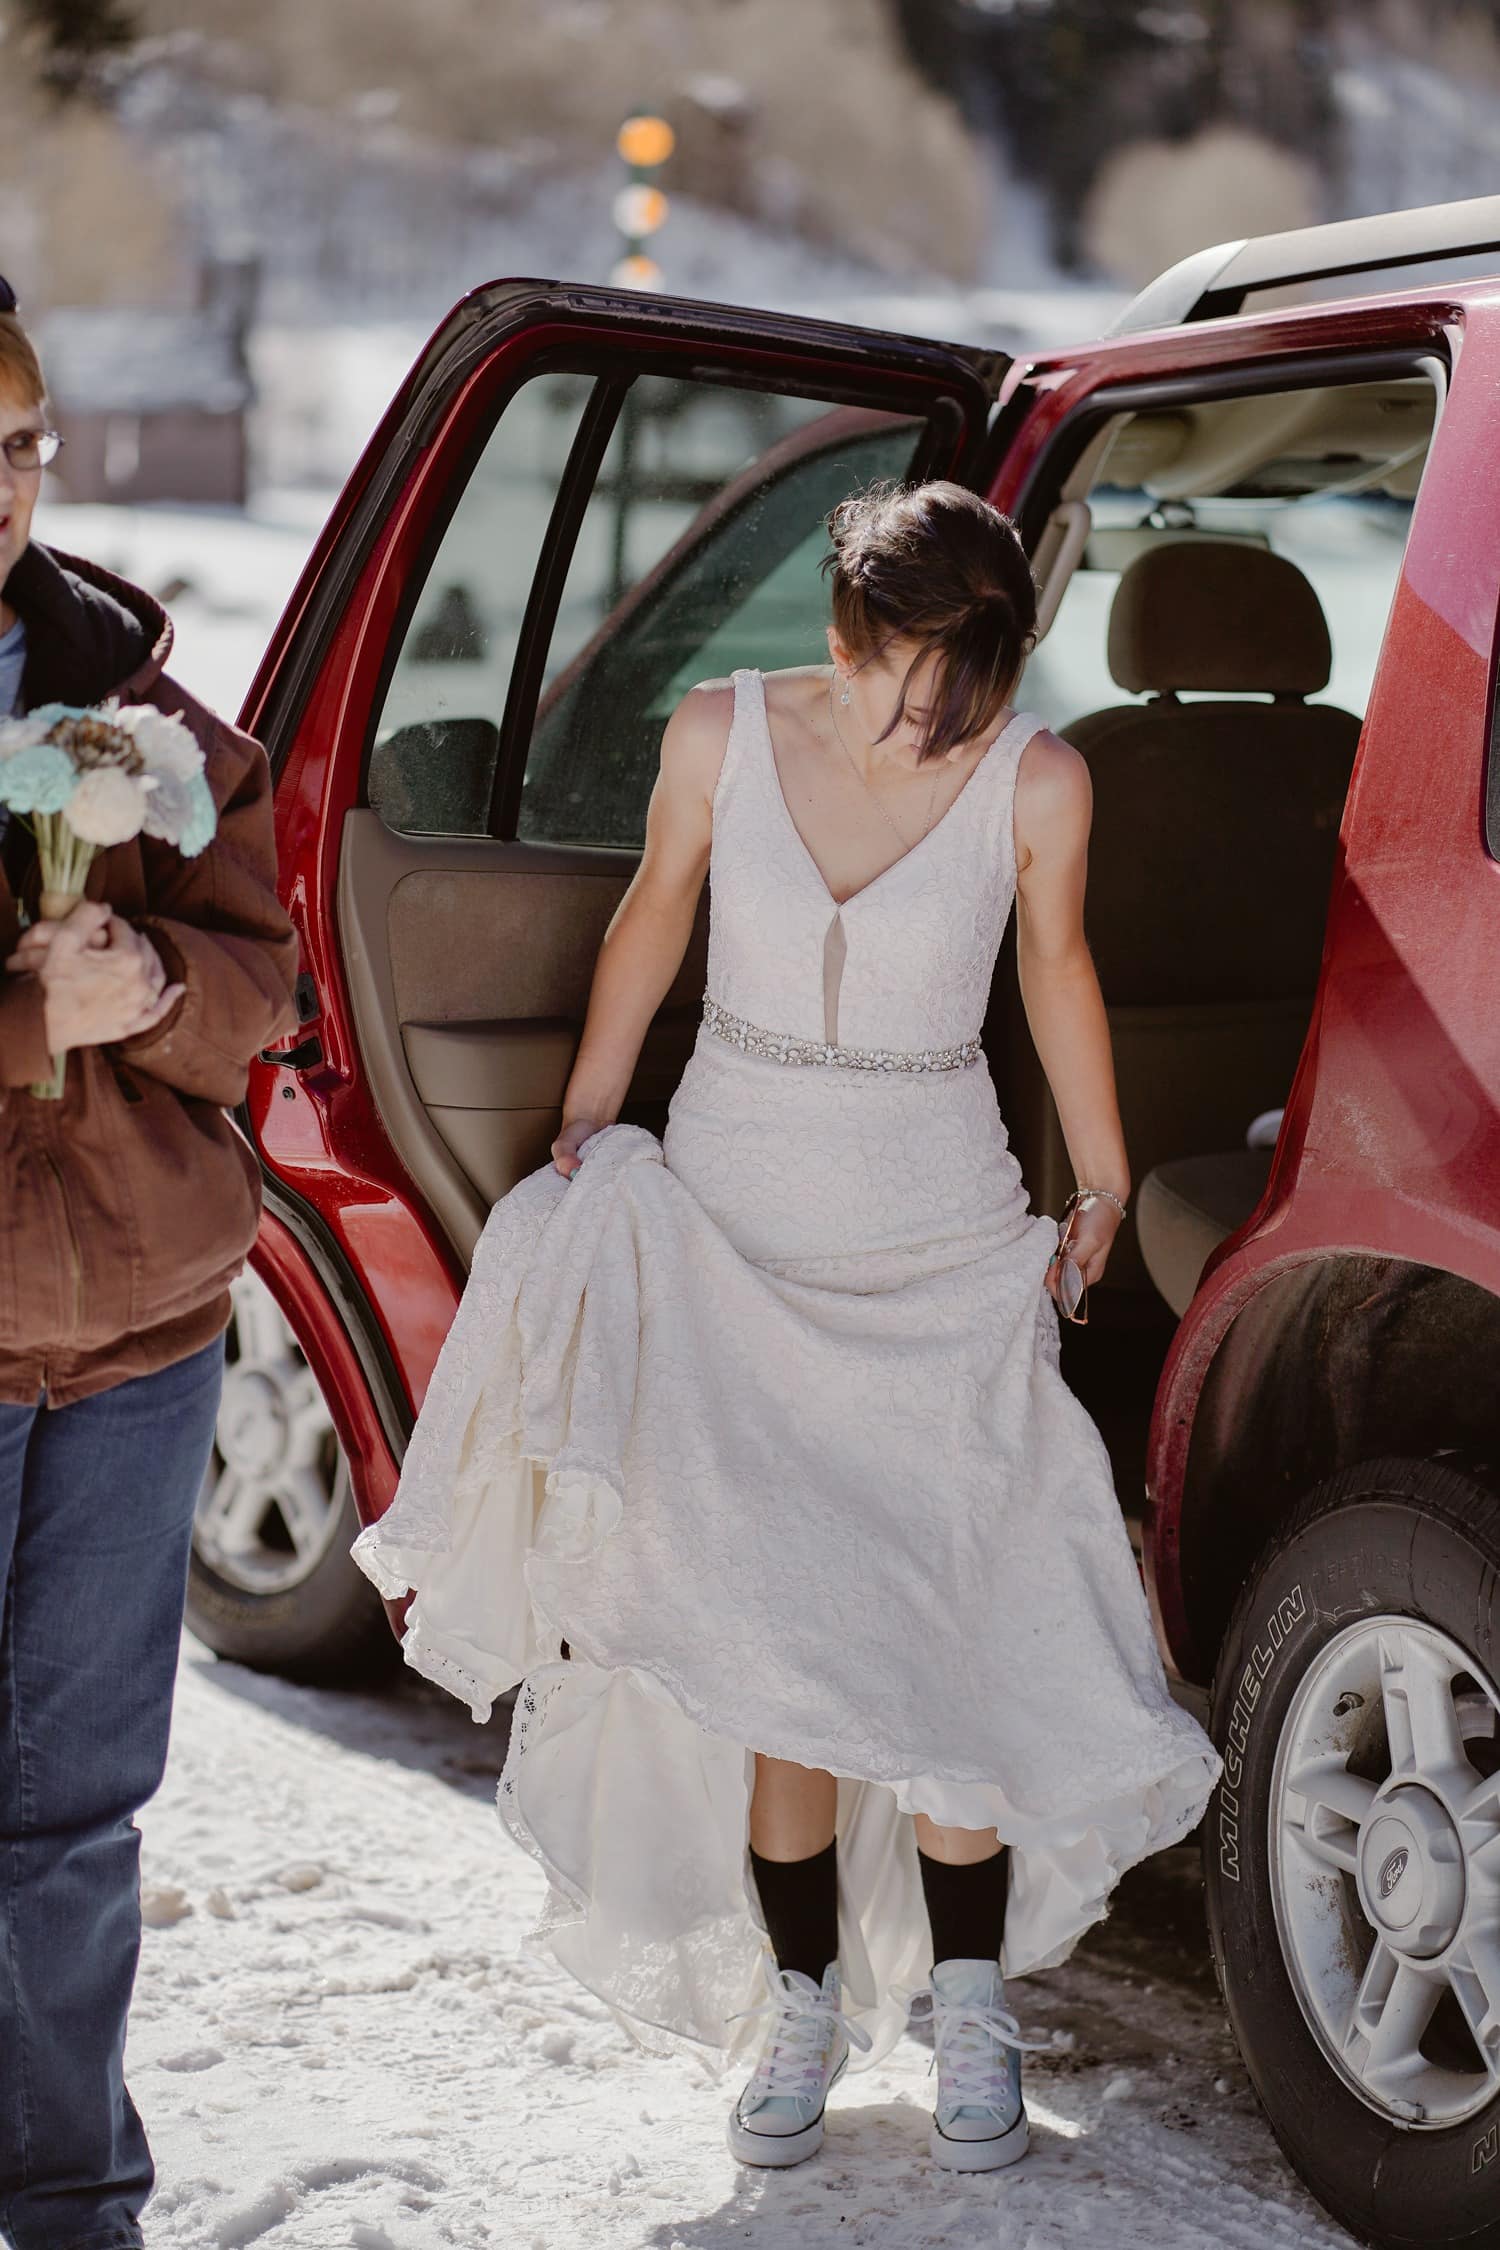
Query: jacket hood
pixel 89 634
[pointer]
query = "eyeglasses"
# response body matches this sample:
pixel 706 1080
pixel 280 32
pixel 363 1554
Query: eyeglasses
pixel 26 450
pixel 31 449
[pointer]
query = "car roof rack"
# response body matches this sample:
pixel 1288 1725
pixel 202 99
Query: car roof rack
pixel 1213 283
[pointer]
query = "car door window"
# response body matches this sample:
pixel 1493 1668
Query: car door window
pixel 738 584
pixel 432 767
pixel 697 551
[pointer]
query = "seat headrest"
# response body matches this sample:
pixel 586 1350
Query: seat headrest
pixel 1217 614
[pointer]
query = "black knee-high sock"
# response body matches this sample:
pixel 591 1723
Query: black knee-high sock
pixel 966 1906
pixel 800 1901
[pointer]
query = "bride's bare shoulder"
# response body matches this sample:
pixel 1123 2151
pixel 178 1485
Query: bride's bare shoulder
pixel 1054 798
pixel 1049 763
pixel 706 705
pixel 695 739
pixel 697 734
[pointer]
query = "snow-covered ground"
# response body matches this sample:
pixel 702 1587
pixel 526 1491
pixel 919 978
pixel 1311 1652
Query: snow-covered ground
pixel 339 2042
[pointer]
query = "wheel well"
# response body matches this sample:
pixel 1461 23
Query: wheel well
pixel 1332 1362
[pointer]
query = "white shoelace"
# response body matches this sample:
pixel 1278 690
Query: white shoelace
pixel 965 2036
pixel 794 2059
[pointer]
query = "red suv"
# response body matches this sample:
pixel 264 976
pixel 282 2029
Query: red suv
pixel 1263 509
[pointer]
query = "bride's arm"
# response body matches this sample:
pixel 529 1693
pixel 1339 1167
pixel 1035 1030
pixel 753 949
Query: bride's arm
pixel 1054 808
pixel 648 934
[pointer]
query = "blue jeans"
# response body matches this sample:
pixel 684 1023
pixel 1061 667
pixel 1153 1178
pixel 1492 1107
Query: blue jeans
pixel 96 1515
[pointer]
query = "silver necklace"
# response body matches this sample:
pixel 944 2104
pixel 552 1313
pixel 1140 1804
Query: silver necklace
pixel 849 754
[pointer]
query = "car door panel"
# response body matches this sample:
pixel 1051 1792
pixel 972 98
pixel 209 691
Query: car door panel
pixel 434 932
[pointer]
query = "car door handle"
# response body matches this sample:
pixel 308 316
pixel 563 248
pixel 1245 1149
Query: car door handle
pixel 303 1056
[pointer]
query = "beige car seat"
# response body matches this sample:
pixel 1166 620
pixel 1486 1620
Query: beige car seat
pixel 1210 864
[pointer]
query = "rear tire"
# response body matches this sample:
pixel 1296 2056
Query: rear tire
pixel 1356 1700
pixel 271 1582
pixel 330 1631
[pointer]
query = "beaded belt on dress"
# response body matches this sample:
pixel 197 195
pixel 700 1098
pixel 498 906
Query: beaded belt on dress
pixel 781 1046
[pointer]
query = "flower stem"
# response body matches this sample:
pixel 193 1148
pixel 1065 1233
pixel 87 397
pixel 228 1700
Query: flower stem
pixel 64 859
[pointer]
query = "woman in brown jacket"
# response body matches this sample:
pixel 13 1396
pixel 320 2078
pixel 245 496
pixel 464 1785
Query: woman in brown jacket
pixel 125 1210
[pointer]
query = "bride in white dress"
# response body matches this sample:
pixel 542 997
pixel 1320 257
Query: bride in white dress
pixel 763 1421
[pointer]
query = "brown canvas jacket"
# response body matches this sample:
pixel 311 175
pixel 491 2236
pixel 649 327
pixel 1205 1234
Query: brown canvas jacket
pixel 129 1205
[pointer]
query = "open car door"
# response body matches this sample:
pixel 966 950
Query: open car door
pixel 579 503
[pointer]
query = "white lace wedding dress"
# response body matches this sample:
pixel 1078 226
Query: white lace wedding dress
pixel 765 1420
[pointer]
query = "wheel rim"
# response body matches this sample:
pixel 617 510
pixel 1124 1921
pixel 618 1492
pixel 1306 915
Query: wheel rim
pixel 1385 1867
pixel 274 1489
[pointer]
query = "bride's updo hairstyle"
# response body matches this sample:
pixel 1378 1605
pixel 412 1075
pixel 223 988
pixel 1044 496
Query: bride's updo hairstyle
pixel 936 565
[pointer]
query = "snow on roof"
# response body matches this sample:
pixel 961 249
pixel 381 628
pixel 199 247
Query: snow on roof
pixel 120 360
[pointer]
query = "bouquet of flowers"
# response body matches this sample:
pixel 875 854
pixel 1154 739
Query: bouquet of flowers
pixel 95 777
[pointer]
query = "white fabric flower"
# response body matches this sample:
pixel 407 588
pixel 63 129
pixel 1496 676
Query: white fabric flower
pixel 22 733
pixel 107 807
pixel 164 740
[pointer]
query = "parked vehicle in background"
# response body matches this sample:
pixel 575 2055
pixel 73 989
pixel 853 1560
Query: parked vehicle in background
pixel 1264 510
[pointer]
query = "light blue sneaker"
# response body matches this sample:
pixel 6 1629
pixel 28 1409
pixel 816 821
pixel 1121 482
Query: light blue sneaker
pixel 979 2121
pixel 778 2119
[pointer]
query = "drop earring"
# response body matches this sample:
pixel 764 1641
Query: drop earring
pixel 845 696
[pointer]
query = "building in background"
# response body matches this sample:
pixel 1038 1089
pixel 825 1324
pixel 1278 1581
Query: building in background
pixel 154 404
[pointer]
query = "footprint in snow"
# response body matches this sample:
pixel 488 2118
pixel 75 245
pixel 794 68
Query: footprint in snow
pixel 162 1904
pixel 191 2058
pixel 285 2197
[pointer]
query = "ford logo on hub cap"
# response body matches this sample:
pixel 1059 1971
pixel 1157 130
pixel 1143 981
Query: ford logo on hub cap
pixel 1393 1870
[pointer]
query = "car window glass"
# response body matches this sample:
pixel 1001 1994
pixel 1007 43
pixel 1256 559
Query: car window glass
pixel 432 764
pixel 699 552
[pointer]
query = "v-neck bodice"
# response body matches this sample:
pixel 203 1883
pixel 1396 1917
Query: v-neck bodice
pixel 906 960
pixel 971 782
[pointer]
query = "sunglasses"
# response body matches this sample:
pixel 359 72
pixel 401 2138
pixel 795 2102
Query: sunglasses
pixel 1072 1289
pixel 9 302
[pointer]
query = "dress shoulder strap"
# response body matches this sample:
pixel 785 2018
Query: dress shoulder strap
pixel 744 715
pixel 1007 753
pixel 1010 747
pixel 1017 732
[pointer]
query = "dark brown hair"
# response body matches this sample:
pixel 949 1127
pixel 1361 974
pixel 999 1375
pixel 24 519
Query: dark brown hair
pixel 935 564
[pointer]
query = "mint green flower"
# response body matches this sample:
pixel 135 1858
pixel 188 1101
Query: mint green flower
pixel 202 820
pixel 38 779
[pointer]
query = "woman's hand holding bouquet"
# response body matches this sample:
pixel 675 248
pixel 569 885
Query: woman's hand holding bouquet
pixel 101 979
pixel 90 779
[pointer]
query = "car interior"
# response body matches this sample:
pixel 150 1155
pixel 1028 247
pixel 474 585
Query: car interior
pixel 1215 580
pixel 1220 766
pixel 1233 564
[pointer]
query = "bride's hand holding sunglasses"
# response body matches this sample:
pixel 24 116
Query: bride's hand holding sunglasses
pixel 1091 1219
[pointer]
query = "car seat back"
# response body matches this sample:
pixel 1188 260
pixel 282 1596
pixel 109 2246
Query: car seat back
pixel 1211 860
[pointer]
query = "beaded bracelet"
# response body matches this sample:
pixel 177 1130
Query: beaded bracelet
pixel 1080 1194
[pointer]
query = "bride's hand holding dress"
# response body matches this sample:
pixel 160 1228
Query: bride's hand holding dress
pixel 565 1150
